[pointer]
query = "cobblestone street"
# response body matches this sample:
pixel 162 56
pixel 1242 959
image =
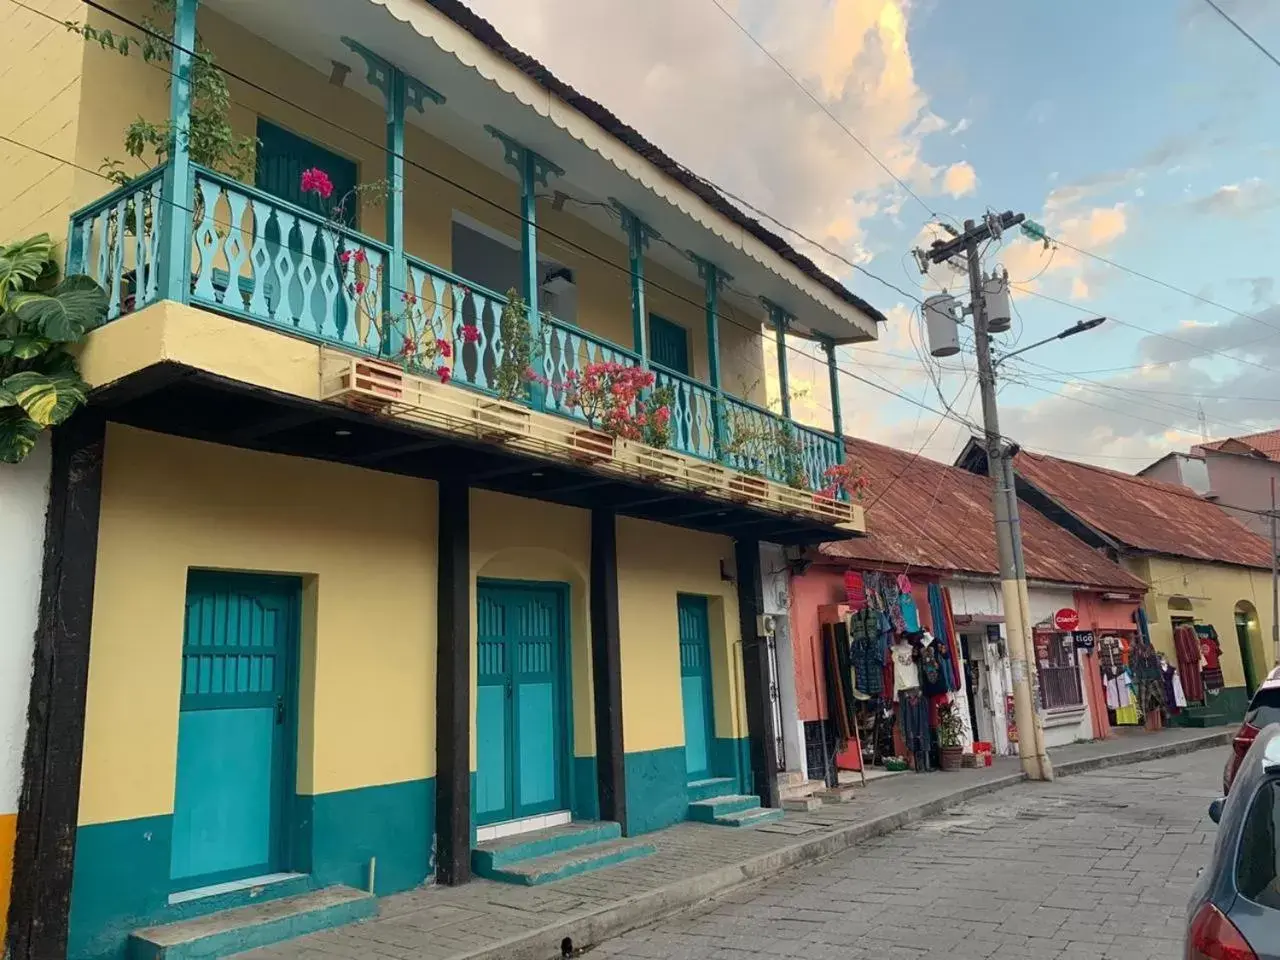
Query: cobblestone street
pixel 1098 865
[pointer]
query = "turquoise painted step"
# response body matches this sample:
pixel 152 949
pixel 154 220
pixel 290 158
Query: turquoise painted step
pixel 710 811
pixel 558 866
pixel 492 855
pixel 749 818
pixel 246 928
pixel 715 787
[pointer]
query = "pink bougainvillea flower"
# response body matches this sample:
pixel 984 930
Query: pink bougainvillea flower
pixel 315 180
pixel 344 257
pixel 360 256
pixel 443 348
pixel 470 333
pixel 444 373
pixel 359 287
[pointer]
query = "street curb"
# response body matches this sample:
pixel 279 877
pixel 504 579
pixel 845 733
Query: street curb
pixel 601 924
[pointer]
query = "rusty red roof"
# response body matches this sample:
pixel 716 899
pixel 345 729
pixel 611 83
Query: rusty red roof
pixel 1265 444
pixel 1144 514
pixel 929 515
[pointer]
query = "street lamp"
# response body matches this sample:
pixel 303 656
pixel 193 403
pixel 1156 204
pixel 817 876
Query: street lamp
pixel 1071 331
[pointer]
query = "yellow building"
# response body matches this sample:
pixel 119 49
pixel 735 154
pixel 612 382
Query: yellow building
pixel 360 586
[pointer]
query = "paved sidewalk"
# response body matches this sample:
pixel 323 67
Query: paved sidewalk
pixel 693 862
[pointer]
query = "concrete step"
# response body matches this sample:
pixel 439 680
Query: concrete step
pixel 246 928
pixel 801 804
pixel 715 787
pixel 710 810
pixel 1205 720
pixel 492 855
pixel 797 791
pixel 791 778
pixel 837 794
pixel 750 818
pixel 558 866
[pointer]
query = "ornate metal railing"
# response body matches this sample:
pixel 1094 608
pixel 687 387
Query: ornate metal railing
pixel 566 349
pixel 693 413
pixel 448 306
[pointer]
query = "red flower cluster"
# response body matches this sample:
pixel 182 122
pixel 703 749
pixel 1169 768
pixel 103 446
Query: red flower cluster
pixel 444 373
pixel 315 180
pixel 470 333
pixel 844 478
pixel 610 397
pixel 346 256
pixel 443 349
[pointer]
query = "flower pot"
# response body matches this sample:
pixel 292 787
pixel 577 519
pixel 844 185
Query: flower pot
pixel 951 757
pixel 746 488
pixel 500 421
pixel 591 446
pixel 384 380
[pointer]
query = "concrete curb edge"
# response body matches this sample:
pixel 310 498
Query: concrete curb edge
pixel 592 928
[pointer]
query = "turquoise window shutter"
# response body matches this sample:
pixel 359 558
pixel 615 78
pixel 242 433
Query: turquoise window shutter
pixel 282 156
pixel 668 344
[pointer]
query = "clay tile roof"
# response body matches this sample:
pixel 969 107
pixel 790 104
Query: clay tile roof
pixel 485 32
pixel 930 515
pixel 1144 514
pixel 1264 444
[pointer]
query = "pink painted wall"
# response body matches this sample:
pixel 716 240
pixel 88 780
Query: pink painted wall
pixel 817 587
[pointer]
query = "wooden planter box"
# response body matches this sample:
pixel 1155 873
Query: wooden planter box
pixel 591 446
pixel 499 421
pixel 652 463
pixel 384 379
pixel 746 488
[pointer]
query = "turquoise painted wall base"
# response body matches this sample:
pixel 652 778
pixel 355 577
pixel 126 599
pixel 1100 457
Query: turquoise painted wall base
pixel 657 792
pixel 586 792
pixel 731 757
pixel 121 876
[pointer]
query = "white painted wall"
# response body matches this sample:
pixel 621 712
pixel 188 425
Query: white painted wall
pixel 775 577
pixel 1060 727
pixel 24 498
pixel 983 598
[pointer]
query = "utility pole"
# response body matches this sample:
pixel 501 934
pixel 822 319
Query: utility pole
pixel 1035 763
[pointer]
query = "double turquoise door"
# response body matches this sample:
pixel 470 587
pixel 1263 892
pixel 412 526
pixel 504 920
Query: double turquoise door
pixel 235 728
pixel 695 684
pixel 522 724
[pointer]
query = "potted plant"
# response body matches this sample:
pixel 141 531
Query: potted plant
pixel 752 441
pixel 843 481
pixel 950 737
pixel 508 415
pixel 610 398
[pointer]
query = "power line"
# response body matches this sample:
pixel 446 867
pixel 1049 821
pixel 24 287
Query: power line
pixel 1244 33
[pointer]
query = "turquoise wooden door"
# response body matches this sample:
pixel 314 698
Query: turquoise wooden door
pixel 235 749
pixel 522 745
pixel 695 685
pixel 668 344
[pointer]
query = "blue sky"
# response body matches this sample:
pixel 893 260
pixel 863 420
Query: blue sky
pixel 1145 132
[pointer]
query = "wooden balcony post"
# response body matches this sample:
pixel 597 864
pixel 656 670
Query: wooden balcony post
pixel 179 179
pixel 833 374
pixel 399 92
pixel 714 278
pixel 781 320
pixel 453 684
pixel 606 668
pixel 638 234
pixel 534 169
pixel 755 669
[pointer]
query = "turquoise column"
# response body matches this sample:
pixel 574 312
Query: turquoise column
pixel 714 278
pixel 534 169
pixel 179 178
pixel 837 418
pixel 781 320
pixel 399 92
pixel 638 235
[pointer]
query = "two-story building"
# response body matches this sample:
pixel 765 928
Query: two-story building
pixel 354 579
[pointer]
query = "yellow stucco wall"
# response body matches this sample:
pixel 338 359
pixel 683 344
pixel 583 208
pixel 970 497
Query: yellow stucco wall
pixel 364 544
pixel 1213 591
pixel 118 89
pixel 655 563
pixel 40 65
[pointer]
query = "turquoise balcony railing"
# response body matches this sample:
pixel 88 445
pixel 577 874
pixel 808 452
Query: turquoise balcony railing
pixel 264 260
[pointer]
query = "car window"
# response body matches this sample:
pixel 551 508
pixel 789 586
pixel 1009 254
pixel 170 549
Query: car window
pixel 1258 860
pixel 1264 708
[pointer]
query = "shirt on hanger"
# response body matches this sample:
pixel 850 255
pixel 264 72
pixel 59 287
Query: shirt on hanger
pixel 906 675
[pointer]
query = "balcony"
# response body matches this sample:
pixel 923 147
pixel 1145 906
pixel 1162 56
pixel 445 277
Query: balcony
pixel 265 261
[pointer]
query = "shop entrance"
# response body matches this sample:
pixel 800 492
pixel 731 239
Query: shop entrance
pixel 695 684
pixel 1246 625
pixel 522 726
pixel 235 728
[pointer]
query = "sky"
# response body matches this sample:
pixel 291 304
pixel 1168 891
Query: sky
pixel 1145 133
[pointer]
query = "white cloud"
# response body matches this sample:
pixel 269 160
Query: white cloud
pixel 960 179
pixel 1237 200
pixel 961 126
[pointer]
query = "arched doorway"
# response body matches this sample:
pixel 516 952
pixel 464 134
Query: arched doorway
pixel 1250 640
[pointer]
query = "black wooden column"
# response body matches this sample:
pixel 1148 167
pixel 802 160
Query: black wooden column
pixel 44 854
pixel 453 685
pixel 755 668
pixel 606 667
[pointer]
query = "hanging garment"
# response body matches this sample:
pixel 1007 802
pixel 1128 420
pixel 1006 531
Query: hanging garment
pixel 904 583
pixel 1167 675
pixel 855 590
pixel 1187 646
pixel 944 632
pixel 1127 716
pixel 906 676
pixel 913 713
pixel 866 652
pixel 1179 697
pixel 1210 658
pixel 839 679
pixel 910 616
pixel 1111 655
pixel 932 679
pixel 1113 694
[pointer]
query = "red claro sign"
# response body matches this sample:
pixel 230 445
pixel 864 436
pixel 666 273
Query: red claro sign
pixel 1066 619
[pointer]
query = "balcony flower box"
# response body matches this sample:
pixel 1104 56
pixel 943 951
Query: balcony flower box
pixel 499 421
pixel 651 463
pixel 746 488
pixel 591 446
pixel 384 380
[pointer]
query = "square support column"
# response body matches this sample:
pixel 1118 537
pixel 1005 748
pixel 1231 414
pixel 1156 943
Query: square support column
pixel 780 321
pixel 638 234
pixel 755 669
pixel 179 180
pixel 714 278
pixel 606 668
pixel 833 376
pixel 49 805
pixel 453 685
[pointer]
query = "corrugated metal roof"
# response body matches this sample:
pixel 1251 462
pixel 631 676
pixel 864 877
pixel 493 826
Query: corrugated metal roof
pixel 604 118
pixel 1145 514
pixel 1264 444
pixel 930 515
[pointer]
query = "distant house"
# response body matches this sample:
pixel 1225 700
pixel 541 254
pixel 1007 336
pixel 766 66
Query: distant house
pixel 1235 473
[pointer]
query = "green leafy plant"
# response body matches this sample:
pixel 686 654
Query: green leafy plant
pixel 515 371
pixel 763 446
pixel 656 412
pixel 950 727
pixel 40 316
pixel 211 139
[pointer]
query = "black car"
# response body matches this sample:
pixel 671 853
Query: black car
pixel 1234 912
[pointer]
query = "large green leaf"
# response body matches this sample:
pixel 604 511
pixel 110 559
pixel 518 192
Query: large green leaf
pixel 23 263
pixel 18 435
pixel 74 306
pixel 39 394
pixel 72 393
pixel 26 348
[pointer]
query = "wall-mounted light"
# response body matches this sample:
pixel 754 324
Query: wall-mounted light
pixel 338 75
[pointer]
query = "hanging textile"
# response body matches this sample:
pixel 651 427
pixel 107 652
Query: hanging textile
pixel 1144 664
pixel 855 591
pixel 913 711
pixel 943 632
pixel 839 679
pixel 866 652
pixel 1210 657
pixel 933 680
pixel 1187 646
